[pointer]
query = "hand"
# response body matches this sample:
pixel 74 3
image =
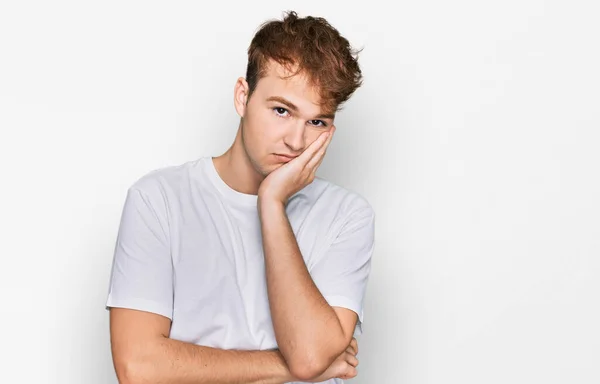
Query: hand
pixel 297 173
pixel 344 367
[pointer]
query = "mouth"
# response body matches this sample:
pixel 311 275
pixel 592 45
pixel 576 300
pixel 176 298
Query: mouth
pixel 284 158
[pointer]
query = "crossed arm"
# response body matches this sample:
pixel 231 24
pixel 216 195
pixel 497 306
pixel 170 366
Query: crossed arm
pixel 310 334
pixel 143 353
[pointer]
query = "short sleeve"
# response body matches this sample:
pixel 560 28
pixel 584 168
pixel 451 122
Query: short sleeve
pixel 142 271
pixel 342 272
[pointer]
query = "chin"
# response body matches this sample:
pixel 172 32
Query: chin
pixel 264 168
pixel 265 165
pixel 270 168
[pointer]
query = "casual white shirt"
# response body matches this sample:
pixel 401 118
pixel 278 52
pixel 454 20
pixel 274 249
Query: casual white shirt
pixel 189 248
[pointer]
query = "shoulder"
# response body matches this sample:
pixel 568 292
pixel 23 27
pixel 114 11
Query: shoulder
pixel 165 180
pixel 346 201
pixel 161 189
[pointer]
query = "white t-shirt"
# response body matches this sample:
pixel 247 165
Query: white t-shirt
pixel 189 247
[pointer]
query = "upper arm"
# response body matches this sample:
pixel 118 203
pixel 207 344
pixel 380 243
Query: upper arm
pixel 140 296
pixel 341 273
pixel 142 271
pixel 132 335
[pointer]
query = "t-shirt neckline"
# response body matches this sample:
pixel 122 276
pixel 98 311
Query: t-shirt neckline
pixel 231 194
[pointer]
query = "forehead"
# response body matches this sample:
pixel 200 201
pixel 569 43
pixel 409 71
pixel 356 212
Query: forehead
pixel 297 88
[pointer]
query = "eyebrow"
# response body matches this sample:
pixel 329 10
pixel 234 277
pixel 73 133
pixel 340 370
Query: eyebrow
pixel 294 108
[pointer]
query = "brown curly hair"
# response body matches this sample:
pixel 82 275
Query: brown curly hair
pixel 316 49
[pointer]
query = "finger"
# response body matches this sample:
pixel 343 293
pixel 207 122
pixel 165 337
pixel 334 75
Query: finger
pixel 351 359
pixel 313 167
pixel 324 139
pixel 354 344
pixel 318 157
pixel 351 350
pixel 323 148
pixel 330 137
pixel 313 148
pixel 350 373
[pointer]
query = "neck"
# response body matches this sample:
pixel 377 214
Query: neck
pixel 236 169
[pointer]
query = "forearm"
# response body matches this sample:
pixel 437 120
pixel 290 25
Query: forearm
pixel 306 327
pixel 167 360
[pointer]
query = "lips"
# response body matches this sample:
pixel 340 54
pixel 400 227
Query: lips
pixel 284 157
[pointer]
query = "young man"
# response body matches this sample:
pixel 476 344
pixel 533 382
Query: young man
pixel 246 268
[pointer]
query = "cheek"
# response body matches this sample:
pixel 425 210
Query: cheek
pixel 261 133
pixel 311 136
pixel 260 120
pixel 268 129
pixel 253 125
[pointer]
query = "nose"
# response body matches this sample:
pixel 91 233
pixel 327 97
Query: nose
pixel 294 138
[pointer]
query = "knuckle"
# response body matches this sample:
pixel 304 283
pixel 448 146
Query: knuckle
pixel 351 372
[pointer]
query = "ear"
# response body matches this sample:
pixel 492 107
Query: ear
pixel 240 96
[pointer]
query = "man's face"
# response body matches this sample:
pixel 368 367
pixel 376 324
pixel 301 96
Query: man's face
pixel 282 117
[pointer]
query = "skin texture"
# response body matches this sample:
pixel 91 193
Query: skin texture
pixel 143 353
pixel 315 340
pixel 309 332
pixel 270 127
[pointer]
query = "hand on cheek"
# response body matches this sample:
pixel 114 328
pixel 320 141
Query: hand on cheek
pixel 294 175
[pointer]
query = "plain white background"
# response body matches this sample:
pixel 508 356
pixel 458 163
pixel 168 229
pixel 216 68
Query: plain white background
pixel 475 137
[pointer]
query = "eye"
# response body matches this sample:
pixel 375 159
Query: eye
pixel 323 124
pixel 279 111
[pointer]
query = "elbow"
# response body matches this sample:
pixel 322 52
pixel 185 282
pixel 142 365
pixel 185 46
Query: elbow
pixel 315 362
pixel 132 371
pixel 127 372
pixel 307 369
